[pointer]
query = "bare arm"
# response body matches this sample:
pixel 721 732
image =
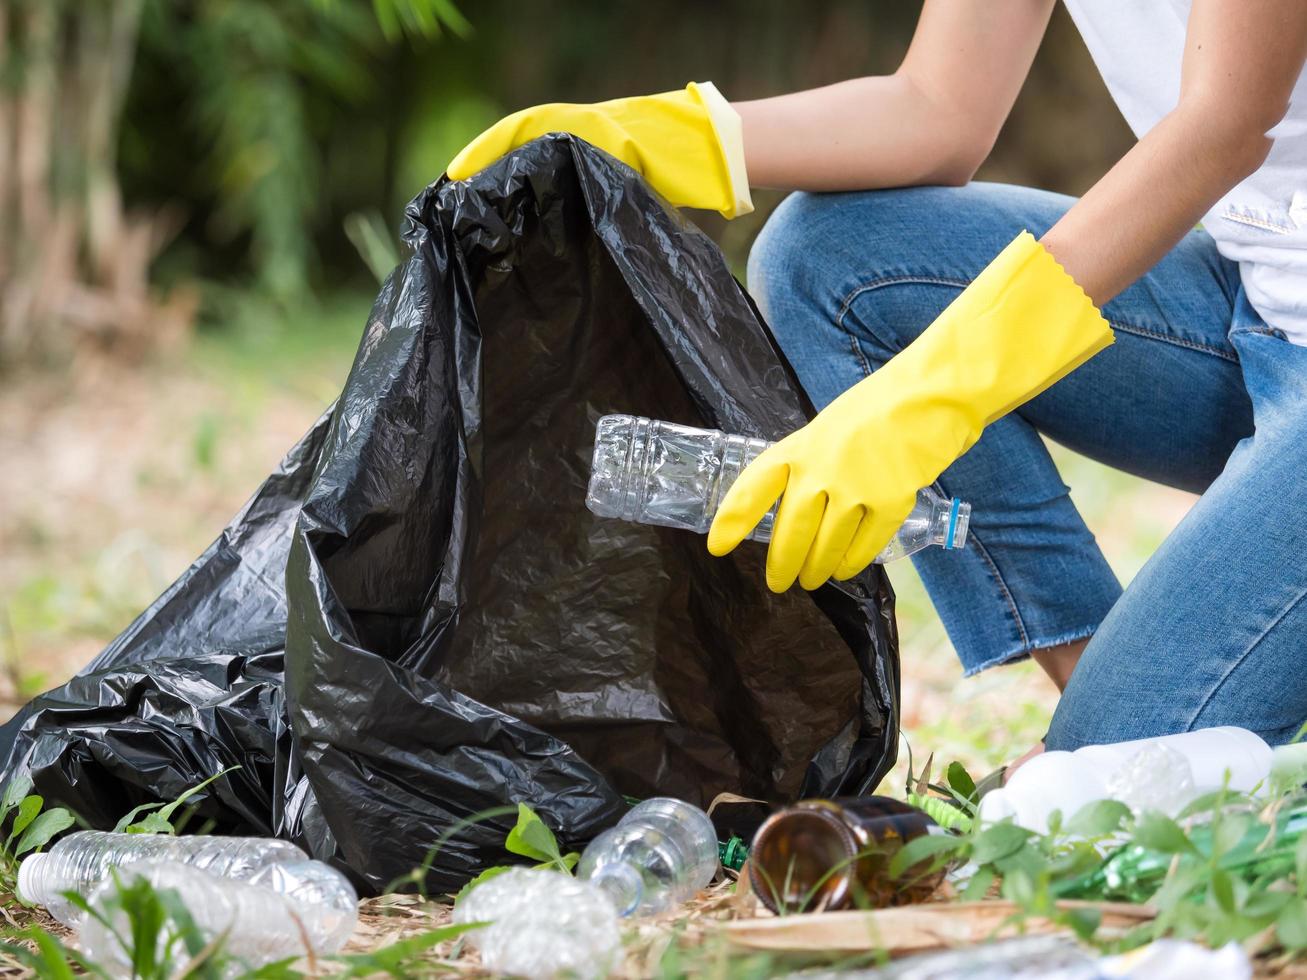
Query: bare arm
pixel 1241 60
pixel 933 121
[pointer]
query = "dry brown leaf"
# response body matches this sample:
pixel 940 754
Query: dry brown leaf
pixel 911 928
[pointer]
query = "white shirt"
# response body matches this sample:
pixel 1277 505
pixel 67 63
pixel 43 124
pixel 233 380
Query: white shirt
pixel 1262 222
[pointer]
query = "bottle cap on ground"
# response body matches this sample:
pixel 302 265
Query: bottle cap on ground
pixel 28 887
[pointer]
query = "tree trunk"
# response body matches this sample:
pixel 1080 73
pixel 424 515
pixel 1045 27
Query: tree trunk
pixel 74 267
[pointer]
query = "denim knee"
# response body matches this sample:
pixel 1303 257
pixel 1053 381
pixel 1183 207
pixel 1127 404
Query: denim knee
pixel 874 267
pixel 788 262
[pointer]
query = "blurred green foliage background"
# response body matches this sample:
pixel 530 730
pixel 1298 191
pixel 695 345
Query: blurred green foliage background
pixel 273 122
pixel 197 198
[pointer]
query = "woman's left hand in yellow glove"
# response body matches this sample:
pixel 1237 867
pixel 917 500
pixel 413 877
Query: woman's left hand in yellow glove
pixel 687 144
pixel 849 477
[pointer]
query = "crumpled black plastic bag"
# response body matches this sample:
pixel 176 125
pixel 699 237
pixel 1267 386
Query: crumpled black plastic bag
pixel 415 618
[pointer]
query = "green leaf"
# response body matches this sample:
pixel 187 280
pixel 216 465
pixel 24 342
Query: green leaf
pixel 1159 832
pixel 154 823
pixel 281 970
pixel 1020 888
pixel 531 838
pixel 27 811
pixel 998 841
pixel 19 787
pixel 121 826
pixel 1291 925
pixel 1230 830
pixel 960 781
pixel 1262 904
pixel 160 821
pixel 1176 889
pixel 1300 865
pixel 1055 824
pixel 44 827
pixel 923 848
pixel 978 887
pixel 1027 859
pixel 1084 921
pixel 1221 889
pixel 1212 802
pixel 1098 819
pixel 486 875
pixel 52 960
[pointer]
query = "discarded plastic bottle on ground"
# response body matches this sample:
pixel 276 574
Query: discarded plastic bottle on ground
pixel 822 855
pixel 660 854
pixel 541 924
pixel 1163 774
pixel 282 911
pixel 83 860
pixel 653 472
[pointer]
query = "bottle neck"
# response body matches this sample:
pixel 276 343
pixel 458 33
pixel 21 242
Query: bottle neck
pixel 622 884
pixel 950 518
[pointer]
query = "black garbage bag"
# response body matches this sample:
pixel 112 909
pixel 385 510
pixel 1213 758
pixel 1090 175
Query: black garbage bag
pixel 416 619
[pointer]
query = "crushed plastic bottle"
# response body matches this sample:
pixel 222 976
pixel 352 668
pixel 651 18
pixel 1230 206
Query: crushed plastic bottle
pixel 82 860
pixel 660 854
pixel 1165 774
pixel 283 911
pixel 542 924
pixel 653 472
pixel 1157 777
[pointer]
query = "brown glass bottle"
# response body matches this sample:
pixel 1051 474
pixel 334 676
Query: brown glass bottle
pixel 833 854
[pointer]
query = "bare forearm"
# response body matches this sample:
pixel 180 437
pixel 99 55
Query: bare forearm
pixel 856 135
pixel 1241 60
pixel 1151 199
pixel 932 121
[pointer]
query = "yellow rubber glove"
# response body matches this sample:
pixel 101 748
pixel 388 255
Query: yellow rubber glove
pixel 688 145
pixel 850 476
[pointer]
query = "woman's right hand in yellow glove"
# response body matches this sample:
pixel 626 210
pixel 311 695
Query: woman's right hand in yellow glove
pixel 687 144
pixel 849 477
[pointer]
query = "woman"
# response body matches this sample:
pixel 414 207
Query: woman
pixel 921 310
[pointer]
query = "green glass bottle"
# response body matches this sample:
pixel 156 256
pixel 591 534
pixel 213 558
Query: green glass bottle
pixel 1133 872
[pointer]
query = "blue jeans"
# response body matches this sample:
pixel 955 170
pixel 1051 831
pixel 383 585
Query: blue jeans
pixel 1197 392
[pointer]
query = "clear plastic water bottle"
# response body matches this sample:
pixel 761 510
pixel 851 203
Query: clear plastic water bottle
pixel 673 475
pixel 283 911
pixel 658 855
pixel 82 860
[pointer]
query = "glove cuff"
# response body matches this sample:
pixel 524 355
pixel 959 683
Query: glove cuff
pixel 729 131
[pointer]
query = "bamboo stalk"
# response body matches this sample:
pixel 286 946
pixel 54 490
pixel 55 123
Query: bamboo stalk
pixel 7 52
pixel 107 67
pixel 37 106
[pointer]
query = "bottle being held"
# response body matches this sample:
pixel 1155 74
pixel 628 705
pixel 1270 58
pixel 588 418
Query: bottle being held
pixel 653 472
pixel 824 855
pixel 660 854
